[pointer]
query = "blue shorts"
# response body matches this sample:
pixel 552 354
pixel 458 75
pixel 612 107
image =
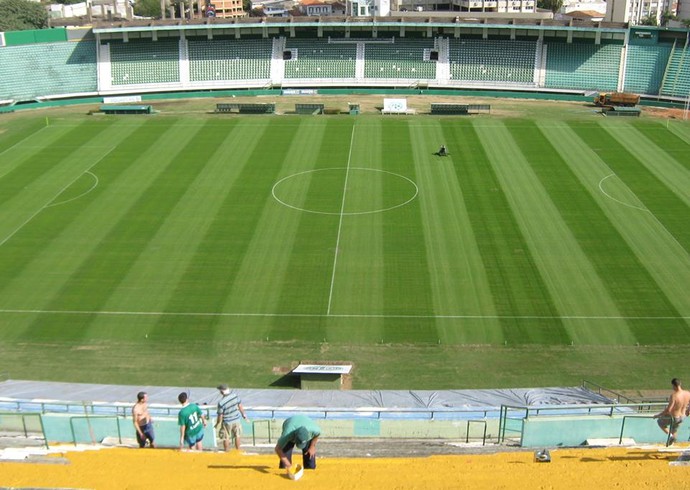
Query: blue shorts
pixel 191 441
pixel 147 431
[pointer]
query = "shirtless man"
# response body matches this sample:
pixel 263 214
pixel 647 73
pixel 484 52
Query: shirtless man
pixel 675 412
pixel 142 420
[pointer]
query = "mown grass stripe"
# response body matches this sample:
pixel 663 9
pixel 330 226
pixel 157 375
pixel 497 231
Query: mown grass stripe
pixel 666 141
pixel 669 209
pixel 569 276
pixel 679 130
pixel 458 282
pixel 90 286
pixel 516 286
pixel 39 165
pixel 358 283
pixel 38 172
pixel 406 268
pixel 307 280
pixel 55 235
pixel 646 238
pixel 151 281
pixel 661 164
pixel 263 271
pixel 210 275
pixel 628 284
pixel 19 133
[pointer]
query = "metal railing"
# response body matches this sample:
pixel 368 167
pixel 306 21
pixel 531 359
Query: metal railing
pixel 512 415
pixel 268 428
pixel 24 429
pixel 596 388
pixel 467 430
pixel 88 423
pixel 124 410
pixel 626 417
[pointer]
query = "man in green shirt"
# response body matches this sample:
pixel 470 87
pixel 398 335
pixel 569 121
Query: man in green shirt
pixel 300 431
pixel 192 422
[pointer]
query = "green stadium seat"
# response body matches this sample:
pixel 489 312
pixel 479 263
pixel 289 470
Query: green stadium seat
pixel 404 58
pixel 583 66
pixel 225 59
pixel 492 60
pixel 145 62
pixel 317 58
pixel 645 68
pixel 71 67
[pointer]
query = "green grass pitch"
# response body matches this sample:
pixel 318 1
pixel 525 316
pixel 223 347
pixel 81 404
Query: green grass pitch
pixel 192 249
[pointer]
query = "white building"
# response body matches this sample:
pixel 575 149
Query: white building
pixel 635 11
pixel 368 8
pixel 479 6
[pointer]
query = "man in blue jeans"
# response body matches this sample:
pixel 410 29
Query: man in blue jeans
pixel 300 431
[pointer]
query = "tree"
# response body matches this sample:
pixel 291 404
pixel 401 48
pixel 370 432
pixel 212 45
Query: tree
pixel 667 16
pixel 649 20
pixel 552 5
pixel 148 8
pixel 21 15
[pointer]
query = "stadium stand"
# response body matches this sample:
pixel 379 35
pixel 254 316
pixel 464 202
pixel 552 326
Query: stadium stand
pixel 404 58
pixel 225 59
pixel 645 68
pixel 492 60
pixel 128 60
pixel 583 66
pixel 145 61
pixel 319 58
pixel 676 82
pixel 65 68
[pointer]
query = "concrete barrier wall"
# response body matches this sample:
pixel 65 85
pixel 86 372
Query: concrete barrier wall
pixel 574 431
pixel 67 428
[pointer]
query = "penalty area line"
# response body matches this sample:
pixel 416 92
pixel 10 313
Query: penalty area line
pixel 332 315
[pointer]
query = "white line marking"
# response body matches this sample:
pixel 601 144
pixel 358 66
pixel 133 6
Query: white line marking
pixel 654 217
pixel 17 144
pixel 340 222
pixel 333 315
pixel 23 140
pixel 45 206
pixel 273 193
pixel 95 184
pixel 601 188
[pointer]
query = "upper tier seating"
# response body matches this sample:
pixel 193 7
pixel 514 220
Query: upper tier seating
pixel 145 61
pixel 37 70
pixel 583 66
pixel 229 59
pixel 492 60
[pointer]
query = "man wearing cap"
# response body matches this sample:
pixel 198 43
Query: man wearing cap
pixel 229 411
pixel 300 431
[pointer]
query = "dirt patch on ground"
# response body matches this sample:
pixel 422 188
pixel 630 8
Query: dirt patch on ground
pixel 648 468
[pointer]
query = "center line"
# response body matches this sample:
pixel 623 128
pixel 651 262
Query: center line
pixel 340 223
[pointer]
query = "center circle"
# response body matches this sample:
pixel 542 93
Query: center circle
pixel 367 191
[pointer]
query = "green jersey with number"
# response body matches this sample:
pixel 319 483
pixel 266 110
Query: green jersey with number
pixel 190 417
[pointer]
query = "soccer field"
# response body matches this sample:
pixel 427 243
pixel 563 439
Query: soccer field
pixel 250 242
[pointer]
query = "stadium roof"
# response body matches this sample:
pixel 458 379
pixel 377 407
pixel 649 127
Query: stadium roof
pixel 388 23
